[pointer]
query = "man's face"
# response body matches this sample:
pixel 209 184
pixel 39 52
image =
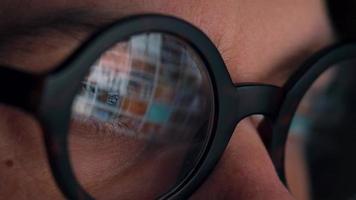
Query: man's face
pixel 260 41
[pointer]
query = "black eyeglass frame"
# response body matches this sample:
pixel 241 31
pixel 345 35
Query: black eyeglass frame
pixel 49 97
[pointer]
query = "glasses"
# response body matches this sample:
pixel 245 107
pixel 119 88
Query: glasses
pixel 146 107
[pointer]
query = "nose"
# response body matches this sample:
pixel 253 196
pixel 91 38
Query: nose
pixel 245 170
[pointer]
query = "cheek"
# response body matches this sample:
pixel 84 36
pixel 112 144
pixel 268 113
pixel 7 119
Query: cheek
pixel 107 167
pixel 113 167
pixel 24 170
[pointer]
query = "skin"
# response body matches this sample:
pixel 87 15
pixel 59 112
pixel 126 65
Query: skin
pixel 260 41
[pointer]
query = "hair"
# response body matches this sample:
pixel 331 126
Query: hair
pixel 342 13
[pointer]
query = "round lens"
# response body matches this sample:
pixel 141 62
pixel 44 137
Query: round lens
pixel 321 148
pixel 142 118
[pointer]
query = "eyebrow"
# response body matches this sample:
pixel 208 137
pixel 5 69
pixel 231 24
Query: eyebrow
pixel 68 21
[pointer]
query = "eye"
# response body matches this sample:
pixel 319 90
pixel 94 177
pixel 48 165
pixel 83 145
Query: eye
pixel 143 114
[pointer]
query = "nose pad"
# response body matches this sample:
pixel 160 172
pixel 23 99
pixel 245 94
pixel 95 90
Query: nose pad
pixel 245 170
pixel 23 161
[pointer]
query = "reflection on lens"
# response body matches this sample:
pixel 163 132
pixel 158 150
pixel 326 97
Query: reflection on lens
pixel 321 146
pixel 142 118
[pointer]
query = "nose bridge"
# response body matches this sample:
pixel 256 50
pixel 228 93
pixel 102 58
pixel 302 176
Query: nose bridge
pixel 258 99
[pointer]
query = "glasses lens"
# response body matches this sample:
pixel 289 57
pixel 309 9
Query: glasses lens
pixel 321 150
pixel 141 119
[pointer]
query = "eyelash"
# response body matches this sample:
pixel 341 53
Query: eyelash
pixel 100 128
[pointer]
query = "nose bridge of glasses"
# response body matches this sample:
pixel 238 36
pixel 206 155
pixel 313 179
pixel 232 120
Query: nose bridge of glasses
pixel 18 88
pixel 257 99
pixel 260 99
